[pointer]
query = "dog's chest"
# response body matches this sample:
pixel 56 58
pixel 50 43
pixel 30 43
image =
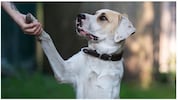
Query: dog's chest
pixel 99 79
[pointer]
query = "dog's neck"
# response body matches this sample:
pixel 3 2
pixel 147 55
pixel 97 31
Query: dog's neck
pixel 106 46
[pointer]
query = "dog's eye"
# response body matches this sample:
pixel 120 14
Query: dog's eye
pixel 103 18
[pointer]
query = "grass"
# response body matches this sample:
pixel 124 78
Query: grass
pixel 41 86
pixel 155 91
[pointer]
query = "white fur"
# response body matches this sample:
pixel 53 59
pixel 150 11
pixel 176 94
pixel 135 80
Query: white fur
pixel 124 30
pixel 90 76
pixel 95 78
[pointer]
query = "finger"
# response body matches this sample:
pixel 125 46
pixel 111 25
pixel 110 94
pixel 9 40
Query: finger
pixel 31 30
pixel 40 31
pixel 30 25
pixel 26 26
pixel 37 30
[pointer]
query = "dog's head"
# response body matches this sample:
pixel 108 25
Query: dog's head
pixel 104 24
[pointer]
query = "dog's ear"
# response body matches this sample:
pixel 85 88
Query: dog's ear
pixel 124 30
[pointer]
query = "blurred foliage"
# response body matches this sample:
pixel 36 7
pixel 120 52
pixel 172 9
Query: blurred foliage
pixel 45 86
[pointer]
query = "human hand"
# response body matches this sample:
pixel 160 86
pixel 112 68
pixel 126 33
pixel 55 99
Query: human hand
pixel 33 28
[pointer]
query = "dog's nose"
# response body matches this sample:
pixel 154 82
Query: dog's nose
pixel 81 16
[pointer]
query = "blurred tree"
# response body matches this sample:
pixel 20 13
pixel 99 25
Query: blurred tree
pixel 167 39
pixel 60 24
pixel 142 46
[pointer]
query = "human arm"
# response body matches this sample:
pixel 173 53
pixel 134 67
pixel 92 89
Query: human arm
pixel 34 28
pixel 29 25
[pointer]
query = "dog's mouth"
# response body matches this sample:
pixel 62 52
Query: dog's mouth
pixel 86 34
pixel 81 30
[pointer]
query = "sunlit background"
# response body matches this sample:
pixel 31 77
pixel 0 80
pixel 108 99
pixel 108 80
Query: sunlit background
pixel 150 54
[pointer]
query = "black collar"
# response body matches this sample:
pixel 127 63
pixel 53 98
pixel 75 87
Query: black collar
pixel 113 57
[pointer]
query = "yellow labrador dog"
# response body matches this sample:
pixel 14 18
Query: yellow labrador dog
pixel 95 71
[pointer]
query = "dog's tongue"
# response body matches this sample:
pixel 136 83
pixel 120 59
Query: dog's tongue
pixel 90 36
pixel 83 32
pixel 86 34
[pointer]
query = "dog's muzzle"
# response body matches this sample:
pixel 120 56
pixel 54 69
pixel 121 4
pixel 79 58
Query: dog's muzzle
pixel 79 28
pixel 80 17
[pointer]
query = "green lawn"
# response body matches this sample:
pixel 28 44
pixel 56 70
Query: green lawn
pixel 41 86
